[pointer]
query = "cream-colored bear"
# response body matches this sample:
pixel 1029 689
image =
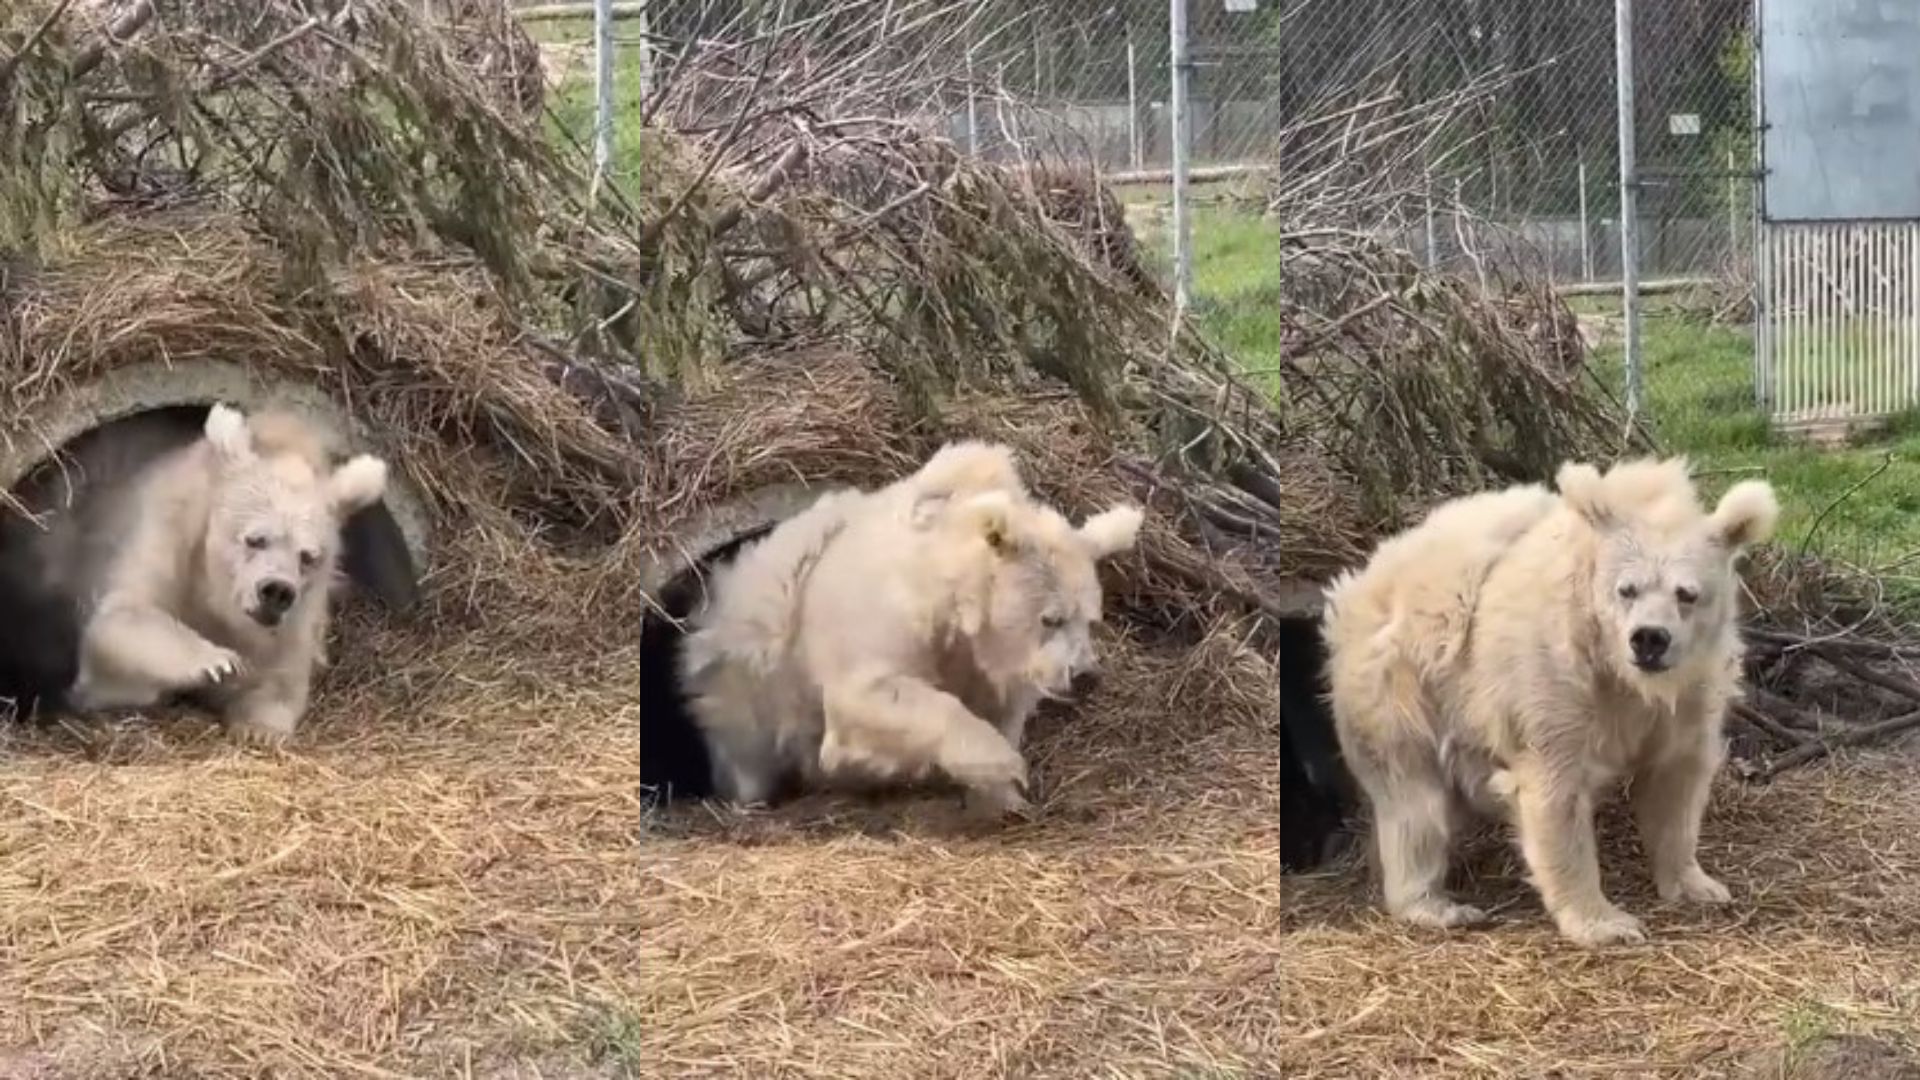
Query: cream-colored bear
pixel 209 570
pixel 1518 653
pixel 891 635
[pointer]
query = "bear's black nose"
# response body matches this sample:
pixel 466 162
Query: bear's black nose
pixel 1649 645
pixel 276 596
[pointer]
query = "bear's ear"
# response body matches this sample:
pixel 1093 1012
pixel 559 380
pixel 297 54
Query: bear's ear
pixel 971 467
pixel 227 431
pixel 1582 489
pixel 1746 515
pixel 961 469
pixel 991 517
pixel 927 509
pixel 357 484
pixel 1112 531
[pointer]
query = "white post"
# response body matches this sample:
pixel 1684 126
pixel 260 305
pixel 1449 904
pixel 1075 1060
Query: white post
pixel 645 23
pixel 1629 210
pixel 1586 227
pixel 973 107
pixel 1433 239
pixel 1135 149
pixel 1182 137
pixel 602 91
pixel 1764 313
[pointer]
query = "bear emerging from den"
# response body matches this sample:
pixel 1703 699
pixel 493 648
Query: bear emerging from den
pixel 886 636
pixel 208 570
pixel 1518 652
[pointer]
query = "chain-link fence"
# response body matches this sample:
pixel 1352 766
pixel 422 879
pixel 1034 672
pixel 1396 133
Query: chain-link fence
pixel 1480 135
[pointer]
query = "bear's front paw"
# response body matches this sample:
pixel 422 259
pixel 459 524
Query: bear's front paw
pixel 1693 884
pixel 998 802
pixel 1606 926
pixel 269 728
pixel 984 761
pixel 252 735
pixel 217 667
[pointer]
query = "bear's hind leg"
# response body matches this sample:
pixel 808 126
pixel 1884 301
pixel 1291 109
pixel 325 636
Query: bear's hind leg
pixel 903 727
pixel 1413 820
pixel 131 656
pixel 1384 724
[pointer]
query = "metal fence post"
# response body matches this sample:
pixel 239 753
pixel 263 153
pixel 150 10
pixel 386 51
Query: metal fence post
pixel 1629 211
pixel 973 106
pixel 1182 148
pixel 1764 342
pixel 1433 239
pixel 1136 150
pixel 602 91
pixel 646 53
pixel 1586 226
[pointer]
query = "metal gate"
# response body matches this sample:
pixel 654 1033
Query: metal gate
pixel 1837 289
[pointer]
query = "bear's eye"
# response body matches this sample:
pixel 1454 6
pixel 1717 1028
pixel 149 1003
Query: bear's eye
pixel 1052 622
pixel 309 560
pixel 1686 595
pixel 257 542
pixel 1628 592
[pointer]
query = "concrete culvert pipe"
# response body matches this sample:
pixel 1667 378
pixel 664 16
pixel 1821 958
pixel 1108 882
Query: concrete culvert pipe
pixel 674 763
pixel 130 416
pixel 1318 795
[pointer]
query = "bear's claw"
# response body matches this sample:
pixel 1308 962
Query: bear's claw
pixel 219 666
pixel 256 735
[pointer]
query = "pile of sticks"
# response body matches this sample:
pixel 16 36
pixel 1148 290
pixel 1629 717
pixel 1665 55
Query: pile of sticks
pixel 1785 672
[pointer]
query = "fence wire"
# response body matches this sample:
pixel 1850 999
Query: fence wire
pixel 1481 135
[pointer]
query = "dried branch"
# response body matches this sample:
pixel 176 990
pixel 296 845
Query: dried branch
pixel 1860 736
pixel 39 33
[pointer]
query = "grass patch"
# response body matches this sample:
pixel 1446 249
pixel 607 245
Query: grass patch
pixel 1807 1023
pixel 1236 272
pixel 1859 503
pixel 618 1037
pixel 571 102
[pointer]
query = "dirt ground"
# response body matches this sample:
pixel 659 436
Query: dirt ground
pixel 1822 941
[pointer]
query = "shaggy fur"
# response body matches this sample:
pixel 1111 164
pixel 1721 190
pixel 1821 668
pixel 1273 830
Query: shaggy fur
pixel 885 636
pixel 208 569
pixel 1518 652
pixel 40 631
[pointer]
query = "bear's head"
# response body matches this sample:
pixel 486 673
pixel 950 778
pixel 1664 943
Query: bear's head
pixel 274 515
pixel 1030 620
pixel 1664 588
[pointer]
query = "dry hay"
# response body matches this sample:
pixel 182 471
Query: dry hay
pixel 441 873
pixel 1823 936
pixel 447 880
pixel 1134 927
pixel 439 876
